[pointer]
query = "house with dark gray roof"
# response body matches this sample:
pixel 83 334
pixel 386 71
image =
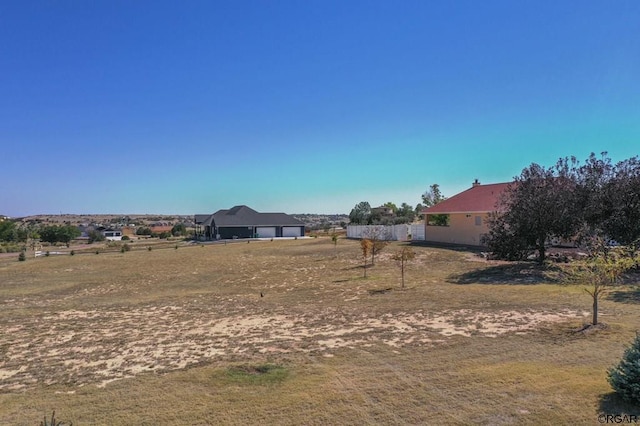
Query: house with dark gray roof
pixel 244 222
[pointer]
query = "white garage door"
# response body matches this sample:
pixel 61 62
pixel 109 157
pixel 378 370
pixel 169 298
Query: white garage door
pixel 266 231
pixel 291 231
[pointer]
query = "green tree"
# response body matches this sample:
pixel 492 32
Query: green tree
pixel 593 179
pixel 407 212
pixel 95 235
pixel 430 198
pixel 49 234
pixel 621 220
pixel 539 205
pixel 392 206
pixel 503 240
pixel 143 230
pixel 625 377
pixel 8 231
pixel 609 198
pixel 59 233
pixel 179 230
pixel 23 234
pixel 66 233
pixel 360 214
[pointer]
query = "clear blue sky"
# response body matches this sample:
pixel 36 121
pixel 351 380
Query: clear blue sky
pixel 302 106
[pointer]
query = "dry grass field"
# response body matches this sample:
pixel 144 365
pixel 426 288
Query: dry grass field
pixel 288 332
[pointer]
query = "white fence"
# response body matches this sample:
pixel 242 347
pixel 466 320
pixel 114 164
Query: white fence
pixel 402 232
pixel 417 232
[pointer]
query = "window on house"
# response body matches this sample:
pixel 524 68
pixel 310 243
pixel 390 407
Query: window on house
pixel 478 220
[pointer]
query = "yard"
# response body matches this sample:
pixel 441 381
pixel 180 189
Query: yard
pixel 289 332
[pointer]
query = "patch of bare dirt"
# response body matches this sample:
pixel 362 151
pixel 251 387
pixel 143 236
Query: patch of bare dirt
pixel 97 347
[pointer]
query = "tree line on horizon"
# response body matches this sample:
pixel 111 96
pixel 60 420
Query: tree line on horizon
pixel 364 214
pixel 11 233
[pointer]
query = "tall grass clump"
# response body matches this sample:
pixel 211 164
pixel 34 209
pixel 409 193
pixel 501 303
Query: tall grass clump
pixel 53 421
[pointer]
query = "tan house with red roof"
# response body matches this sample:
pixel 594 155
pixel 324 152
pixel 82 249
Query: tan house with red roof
pixel 462 219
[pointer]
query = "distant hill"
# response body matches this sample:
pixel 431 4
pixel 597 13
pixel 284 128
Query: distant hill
pixel 111 219
pixel 311 220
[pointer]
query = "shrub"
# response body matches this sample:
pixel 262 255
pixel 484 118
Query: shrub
pixel 125 247
pixel 47 253
pixel 73 252
pixel 53 421
pixel 262 374
pixel 143 231
pixel 179 229
pixel 125 238
pixel 149 248
pixel 625 377
pixel 22 257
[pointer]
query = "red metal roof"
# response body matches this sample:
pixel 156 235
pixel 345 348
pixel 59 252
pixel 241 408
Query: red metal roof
pixel 477 199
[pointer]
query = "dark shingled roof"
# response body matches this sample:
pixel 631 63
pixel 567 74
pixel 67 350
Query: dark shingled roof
pixel 246 216
pixel 201 218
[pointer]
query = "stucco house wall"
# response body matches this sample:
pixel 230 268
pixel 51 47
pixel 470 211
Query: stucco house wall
pixel 468 214
pixel 463 228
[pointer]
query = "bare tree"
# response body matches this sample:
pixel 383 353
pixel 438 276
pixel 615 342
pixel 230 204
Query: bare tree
pixel 402 256
pixel 366 246
pixel 379 236
pixel 334 240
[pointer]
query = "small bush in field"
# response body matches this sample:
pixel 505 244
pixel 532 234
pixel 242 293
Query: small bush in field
pixel 72 252
pixel 22 257
pixel 149 248
pixel 53 421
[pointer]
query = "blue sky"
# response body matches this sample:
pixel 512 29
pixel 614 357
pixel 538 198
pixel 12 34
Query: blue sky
pixel 302 106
